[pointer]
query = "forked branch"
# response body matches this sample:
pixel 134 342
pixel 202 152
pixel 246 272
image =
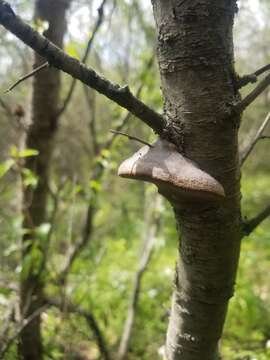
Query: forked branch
pixel 60 60
pixel 252 96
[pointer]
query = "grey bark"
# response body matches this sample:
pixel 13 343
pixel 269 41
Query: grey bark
pixel 195 54
pixel 45 100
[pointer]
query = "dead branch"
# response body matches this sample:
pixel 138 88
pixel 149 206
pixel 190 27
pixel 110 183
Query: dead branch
pixel 90 319
pixel 27 76
pixel 251 225
pixel 252 96
pixel 60 60
pixel 85 57
pixel 259 136
pixel 252 78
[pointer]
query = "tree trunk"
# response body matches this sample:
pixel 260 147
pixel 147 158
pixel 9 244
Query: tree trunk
pixel 45 103
pixel 195 53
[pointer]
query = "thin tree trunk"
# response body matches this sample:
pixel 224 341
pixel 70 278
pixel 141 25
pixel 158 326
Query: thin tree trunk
pixel 195 53
pixel 40 136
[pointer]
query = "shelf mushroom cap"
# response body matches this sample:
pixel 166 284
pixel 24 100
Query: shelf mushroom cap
pixel 176 177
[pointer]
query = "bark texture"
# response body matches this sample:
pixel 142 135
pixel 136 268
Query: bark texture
pixel 40 136
pixel 195 54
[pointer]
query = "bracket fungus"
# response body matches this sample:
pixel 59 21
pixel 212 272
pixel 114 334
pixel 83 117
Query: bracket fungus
pixel 177 178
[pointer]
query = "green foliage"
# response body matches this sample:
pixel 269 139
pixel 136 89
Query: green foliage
pixel 6 166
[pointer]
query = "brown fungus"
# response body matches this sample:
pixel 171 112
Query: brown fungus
pixel 176 177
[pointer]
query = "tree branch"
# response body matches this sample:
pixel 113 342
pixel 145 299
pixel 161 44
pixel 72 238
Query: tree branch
pixel 251 225
pixel 252 78
pixel 91 321
pixel 27 76
pixel 85 57
pixel 254 141
pixel 242 105
pixel 152 227
pixel 130 137
pixel 60 60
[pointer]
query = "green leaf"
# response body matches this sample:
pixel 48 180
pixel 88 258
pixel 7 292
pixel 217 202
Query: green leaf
pixel 26 266
pixel 6 166
pixel 15 153
pixel 29 178
pixel 43 230
pixel 95 185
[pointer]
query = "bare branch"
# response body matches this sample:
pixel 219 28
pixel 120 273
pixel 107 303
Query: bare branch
pixel 252 78
pixel 60 60
pixel 254 141
pixel 130 137
pixel 242 105
pixel 152 227
pixel 91 321
pixel 27 76
pixel 85 57
pixel 251 225
pixel 126 117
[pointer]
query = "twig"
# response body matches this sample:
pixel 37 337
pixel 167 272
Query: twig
pixel 91 320
pixel 251 225
pixel 126 117
pixel 131 137
pixel 85 57
pixel 254 141
pixel 252 78
pixel 242 105
pixel 19 330
pixel 60 60
pixel 27 76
